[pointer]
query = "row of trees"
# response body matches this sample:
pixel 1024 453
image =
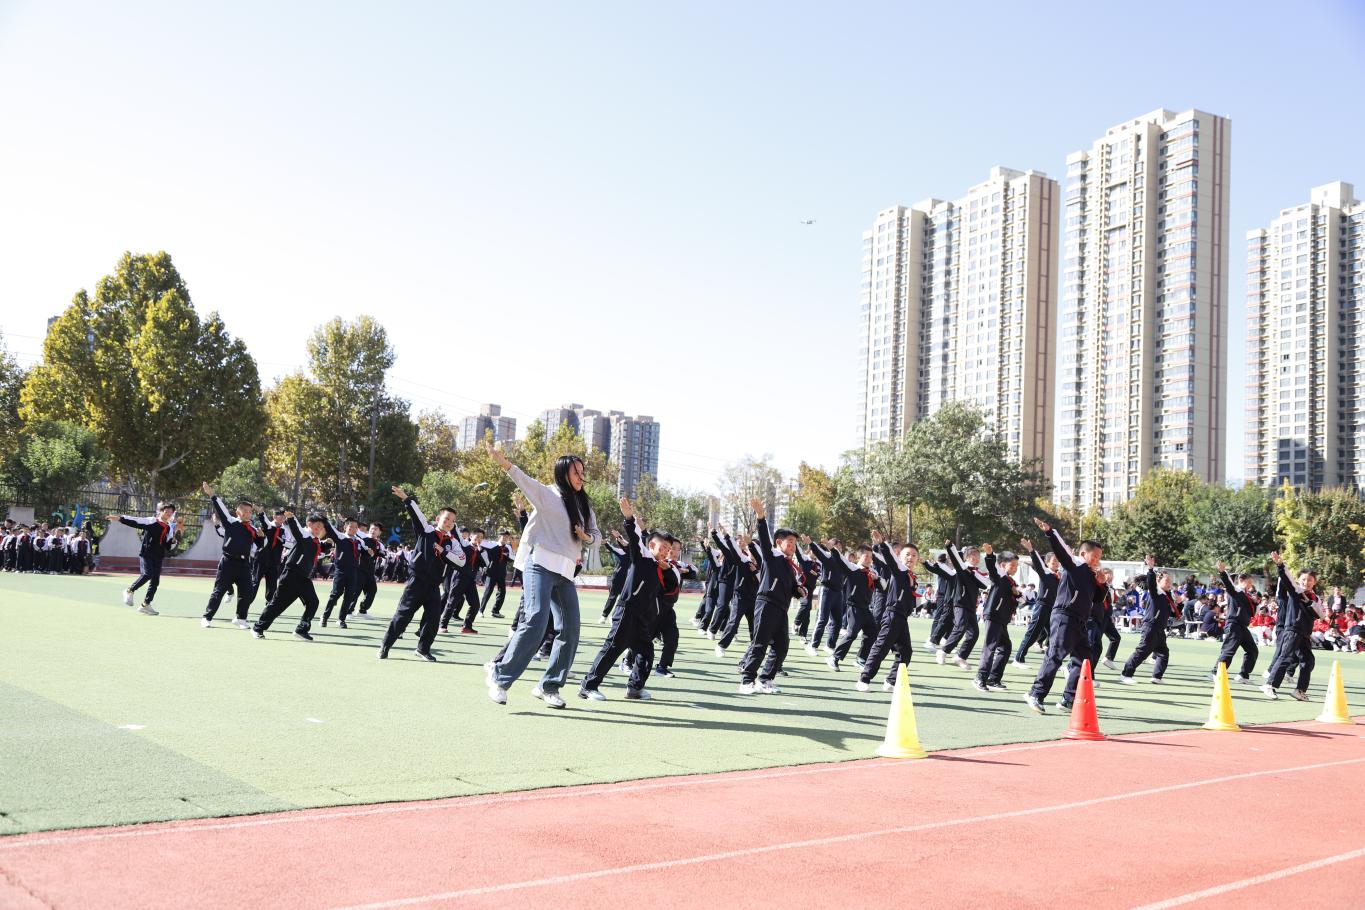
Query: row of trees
pixel 136 387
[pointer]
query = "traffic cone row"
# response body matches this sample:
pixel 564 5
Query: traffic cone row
pixel 902 733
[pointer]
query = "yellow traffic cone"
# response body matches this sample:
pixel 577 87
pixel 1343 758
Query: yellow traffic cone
pixel 1220 709
pixel 902 736
pixel 1334 707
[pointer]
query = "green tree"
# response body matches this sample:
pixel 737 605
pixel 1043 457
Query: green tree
pixel 246 479
pixel 743 480
pixel 676 511
pixel 1322 531
pixel 436 438
pixel 12 380
pixel 1233 526
pixel 172 397
pixel 55 458
pixel 1156 519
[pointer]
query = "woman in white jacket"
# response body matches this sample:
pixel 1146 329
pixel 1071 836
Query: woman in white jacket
pixel 561 525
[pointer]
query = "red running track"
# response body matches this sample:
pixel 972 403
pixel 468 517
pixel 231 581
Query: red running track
pixel 1261 817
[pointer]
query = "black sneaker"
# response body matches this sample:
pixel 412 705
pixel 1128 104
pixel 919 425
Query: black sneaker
pixel 384 653
pixel 302 635
pixel 497 614
pixel 324 622
pixel 425 655
pixel 445 628
pixel 257 633
pixel 663 671
pixel 341 623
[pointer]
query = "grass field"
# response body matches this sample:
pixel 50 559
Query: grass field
pixel 110 717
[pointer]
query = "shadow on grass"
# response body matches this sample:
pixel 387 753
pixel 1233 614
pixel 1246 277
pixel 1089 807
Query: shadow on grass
pixel 835 739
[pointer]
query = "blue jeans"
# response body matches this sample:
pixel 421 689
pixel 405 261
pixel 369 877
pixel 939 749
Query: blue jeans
pixel 546 594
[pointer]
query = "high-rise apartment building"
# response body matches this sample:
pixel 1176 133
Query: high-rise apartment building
pixel 489 419
pixel 1143 374
pixel 593 426
pixel 959 302
pixel 1305 405
pixel 635 451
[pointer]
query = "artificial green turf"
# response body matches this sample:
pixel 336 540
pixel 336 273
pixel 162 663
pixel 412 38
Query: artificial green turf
pixel 229 725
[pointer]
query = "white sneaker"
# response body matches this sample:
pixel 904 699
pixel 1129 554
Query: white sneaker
pixel 978 685
pixel 1270 692
pixel 1034 705
pixel 887 687
pixel 812 651
pixel 720 652
pixel 128 597
pixel 1110 664
pixel 551 699
pixel 997 687
pixel 862 686
pixel 1242 680
pixel 767 688
pixel 711 636
pixel 1019 663
pixel 832 662
pixel 602 620
pixel 205 623
pixel 746 688
pixel 963 665
pixel 497 694
pixel 939 656
pixel 703 631
pixel 1157 681
pixel 826 649
pixel 1127 680
pixel 241 624
pixel 1299 695
pixel 638 695
pixel 1265 674
pixel 591 694
pixel 931 644
pixel 696 623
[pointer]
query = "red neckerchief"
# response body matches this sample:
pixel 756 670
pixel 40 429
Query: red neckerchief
pixel 868 573
pixel 797 575
pixel 250 528
pixel 164 529
pixel 659 567
pixel 440 542
pixel 355 550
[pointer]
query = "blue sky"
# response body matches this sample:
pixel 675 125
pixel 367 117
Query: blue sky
pixel 598 202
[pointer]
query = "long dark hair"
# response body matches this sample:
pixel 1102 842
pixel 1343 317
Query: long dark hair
pixel 575 501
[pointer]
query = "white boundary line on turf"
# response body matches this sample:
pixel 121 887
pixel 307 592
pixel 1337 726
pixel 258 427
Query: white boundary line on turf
pixel 831 841
pixel 576 791
pixel 1217 890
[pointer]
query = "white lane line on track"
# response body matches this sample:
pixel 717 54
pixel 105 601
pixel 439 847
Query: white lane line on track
pixel 831 841
pixel 1216 890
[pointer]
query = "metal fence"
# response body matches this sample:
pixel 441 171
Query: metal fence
pixel 74 508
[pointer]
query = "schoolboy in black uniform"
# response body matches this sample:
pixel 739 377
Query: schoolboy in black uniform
pixel 1001 601
pixel 1075 599
pixel 267 564
pixel 745 591
pixel 433 550
pixel 1236 631
pixel 780 579
pixel 1048 572
pixel 893 632
pixel 372 546
pixel 860 585
pixel 1300 604
pixel 666 629
pixel 945 596
pixel 345 570
pixel 618 573
pixel 834 585
pixel 495 558
pixel 971 581
pixel 636 614
pixel 158 536
pixel 240 541
pixel 296 577
pixel 725 589
pixel 1154 620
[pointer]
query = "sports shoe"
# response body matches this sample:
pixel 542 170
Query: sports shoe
pixel 978 685
pixel 592 694
pixel 257 634
pixel 602 621
pixel 711 636
pixel 383 653
pixel 1109 664
pixel 1242 680
pixel 425 655
pixel 931 644
pixel 1034 705
pixel 445 628
pixel 1127 680
pixel 746 688
pixel 146 610
pixel 553 700
pixel 127 597
pixel 702 631
pixel 963 665
pixel 720 652
pixel 887 687
pixel 1213 677
pixel 205 623
pixel 341 624
pixel 939 656
pixel 1063 705
pixel 664 671
pixel 302 635
pixel 1019 663
pixel 638 694
pixel 497 695
pixel 832 662
pixel 324 622
pixel 1299 695
pixel 696 623
pixel 468 631
pixel 997 687
pixel 498 615
pixel 1157 681
pixel 862 686
pixel 241 624
pixel 767 688
pixel 1270 692
pixel 811 650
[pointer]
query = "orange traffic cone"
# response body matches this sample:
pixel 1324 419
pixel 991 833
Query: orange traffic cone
pixel 1085 721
